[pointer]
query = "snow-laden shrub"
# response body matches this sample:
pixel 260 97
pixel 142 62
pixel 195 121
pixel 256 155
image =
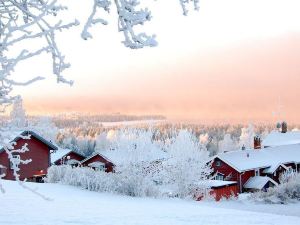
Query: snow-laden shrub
pixel 83 177
pixel 121 183
pixel 144 167
pixel 281 194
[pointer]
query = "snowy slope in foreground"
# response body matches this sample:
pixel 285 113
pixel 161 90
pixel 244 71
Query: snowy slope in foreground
pixel 74 206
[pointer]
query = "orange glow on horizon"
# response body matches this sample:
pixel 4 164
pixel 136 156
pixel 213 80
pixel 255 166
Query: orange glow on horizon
pixel 226 65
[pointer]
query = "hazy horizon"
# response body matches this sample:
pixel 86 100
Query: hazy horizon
pixel 229 62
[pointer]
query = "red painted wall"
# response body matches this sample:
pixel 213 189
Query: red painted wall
pixel 72 155
pixel 225 169
pixel 245 177
pixel 225 192
pixel 221 192
pixel 38 153
pixel 240 178
pixel 97 158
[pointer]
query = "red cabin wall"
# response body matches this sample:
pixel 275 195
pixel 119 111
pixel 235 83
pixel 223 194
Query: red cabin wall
pixel 240 178
pixel 109 167
pixel 39 154
pixel 72 155
pixel 245 177
pixel 225 192
pixel 225 169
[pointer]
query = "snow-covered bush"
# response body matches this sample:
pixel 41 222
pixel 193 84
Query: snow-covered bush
pixel 124 183
pixel 281 194
pixel 144 167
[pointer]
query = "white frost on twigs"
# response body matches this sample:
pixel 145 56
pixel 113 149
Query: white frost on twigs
pixel 129 16
pixel 184 4
pixel 22 21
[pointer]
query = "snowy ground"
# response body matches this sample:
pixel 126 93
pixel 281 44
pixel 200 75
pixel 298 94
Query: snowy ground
pixel 72 206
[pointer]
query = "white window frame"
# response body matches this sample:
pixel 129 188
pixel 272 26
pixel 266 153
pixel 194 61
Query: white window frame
pixel 100 168
pixel 219 176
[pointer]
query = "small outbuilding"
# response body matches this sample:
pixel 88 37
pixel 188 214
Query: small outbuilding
pixel 66 157
pixel 258 183
pixel 98 162
pixel 219 189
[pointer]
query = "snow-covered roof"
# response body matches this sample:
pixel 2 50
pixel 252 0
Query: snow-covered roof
pixel 276 138
pixel 273 168
pixel 97 164
pixel 216 183
pixel 258 182
pixel 95 154
pixel 72 162
pixel 60 153
pixel 243 160
pixel 14 135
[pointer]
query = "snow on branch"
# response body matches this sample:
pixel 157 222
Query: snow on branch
pixel 184 4
pixel 22 21
pixel 30 20
pixel 92 20
pixel 129 16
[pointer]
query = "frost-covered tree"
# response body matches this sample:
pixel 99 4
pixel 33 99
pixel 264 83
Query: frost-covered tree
pixel 46 128
pixel 102 142
pixel 85 145
pixel 204 138
pixel 17 114
pixel 227 144
pixel 130 145
pixel 187 164
pixel 247 137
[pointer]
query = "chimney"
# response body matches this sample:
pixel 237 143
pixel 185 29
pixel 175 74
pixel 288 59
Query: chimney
pixel 284 127
pixel 257 142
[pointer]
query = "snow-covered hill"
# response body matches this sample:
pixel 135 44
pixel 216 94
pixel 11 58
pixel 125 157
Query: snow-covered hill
pixel 73 206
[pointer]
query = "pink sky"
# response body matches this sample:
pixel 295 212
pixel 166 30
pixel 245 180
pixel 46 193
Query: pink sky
pixel 215 65
pixel 240 83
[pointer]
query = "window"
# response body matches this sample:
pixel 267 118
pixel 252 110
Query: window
pixel 100 168
pixel 291 170
pixel 16 160
pixel 219 176
pixel 218 163
pixel 257 172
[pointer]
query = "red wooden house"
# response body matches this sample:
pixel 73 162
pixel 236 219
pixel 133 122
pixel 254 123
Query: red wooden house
pixel 256 169
pixel 98 162
pixel 67 157
pixel 39 153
